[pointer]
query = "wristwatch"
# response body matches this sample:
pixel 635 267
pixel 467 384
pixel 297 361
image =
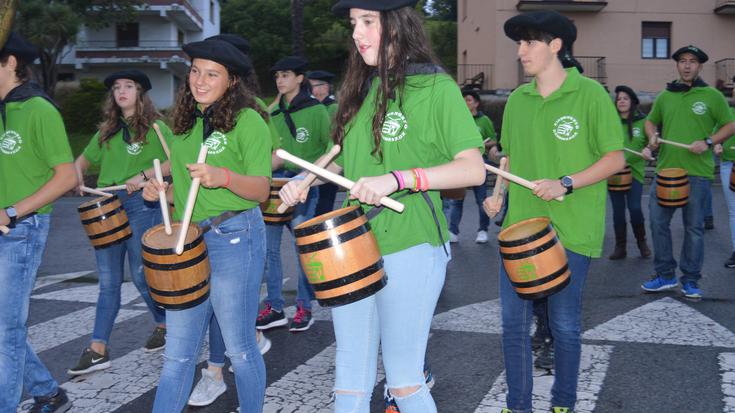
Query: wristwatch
pixel 708 141
pixel 12 215
pixel 568 183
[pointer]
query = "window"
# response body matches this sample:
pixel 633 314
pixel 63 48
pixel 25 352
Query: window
pixel 180 38
pixel 127 35
pixel 655 40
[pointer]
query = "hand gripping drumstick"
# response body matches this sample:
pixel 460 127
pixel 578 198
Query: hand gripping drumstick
pixel 681 145
pixel 163 141
pixel 637 153
pixel 162 197
pixel 94 191
pixel 516 179
pixel 190 204
pixel 333 177
pixel 311 177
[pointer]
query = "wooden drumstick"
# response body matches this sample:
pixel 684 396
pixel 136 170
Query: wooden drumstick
pixel 672 143
pixel 93 191
pixel 162 197
pixel 311 177
pixel 333 177
pixel 637 153
pixel 163 141
pixel 112 188
pixel 190 200
pixel 516 179
pixel 4 229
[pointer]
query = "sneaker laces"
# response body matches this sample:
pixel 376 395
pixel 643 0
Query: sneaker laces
pixel 264 312
pixel 301 314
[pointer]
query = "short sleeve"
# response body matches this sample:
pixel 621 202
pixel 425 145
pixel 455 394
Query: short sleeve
pixel 655 115
pixel 453 121
pixel 607 135
pixel 255 146
pixel 93 152
pixel 52 141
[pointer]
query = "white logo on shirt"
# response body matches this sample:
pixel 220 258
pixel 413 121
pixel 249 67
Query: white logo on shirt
pixel 699 108
pixel 135 148
pixel 302 135
pixel 216 143
pixel 394 127
pixel 10 142
pixel 566 128
pixel 636 132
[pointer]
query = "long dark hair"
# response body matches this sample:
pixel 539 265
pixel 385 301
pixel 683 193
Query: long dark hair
pixel 139 124
pixel 403 35
pixel 237 97
pixel 632 113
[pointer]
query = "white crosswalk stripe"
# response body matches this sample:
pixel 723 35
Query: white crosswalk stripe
pixel 89 294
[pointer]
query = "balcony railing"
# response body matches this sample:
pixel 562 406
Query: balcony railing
pixel 594 68
pixel 725 7
pixel 561 5
pixel 179 10
pixel 477 76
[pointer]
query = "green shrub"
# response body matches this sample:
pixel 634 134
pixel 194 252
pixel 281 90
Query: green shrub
pixel 81 108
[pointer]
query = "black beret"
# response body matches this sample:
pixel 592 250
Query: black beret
pixel 547 21
pixel 699 53
pixel 321 75
pixel 470 92
pixel 221 52
pixel 629 92
pixel 240 42
pixel 20 48
pixel 296 64
pixel 344 6
pixel 135 75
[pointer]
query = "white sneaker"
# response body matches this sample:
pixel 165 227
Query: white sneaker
pixel 453 238
pixel 481 237
pixel 207 390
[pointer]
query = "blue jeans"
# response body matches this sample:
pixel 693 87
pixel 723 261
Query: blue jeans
pixel 327 194
pixel 692 250
pixel 111 261
pixel 398 317
pixel 20 257
pixel 565 321
pixel 725 170
pixel 456 205
pixel 236 250
pixel 273 269
pixel 633 198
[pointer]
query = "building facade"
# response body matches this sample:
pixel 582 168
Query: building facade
pixel 151 44
pixel 619 41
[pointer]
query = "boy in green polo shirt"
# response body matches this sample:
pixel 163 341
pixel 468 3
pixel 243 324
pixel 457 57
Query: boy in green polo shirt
pixel 36 166
pixel 562 132
pixel 689 110
pixel 303 125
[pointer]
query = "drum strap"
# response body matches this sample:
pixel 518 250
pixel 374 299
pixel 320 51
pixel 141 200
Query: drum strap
pixel 377 210
pixel 219 219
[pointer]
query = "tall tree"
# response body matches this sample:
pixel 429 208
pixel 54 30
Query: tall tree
pixel 53 27
pixel 297 27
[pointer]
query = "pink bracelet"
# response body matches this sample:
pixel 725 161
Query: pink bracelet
pixel 399 178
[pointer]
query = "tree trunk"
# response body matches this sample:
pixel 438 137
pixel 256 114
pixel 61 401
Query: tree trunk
pixel 297 27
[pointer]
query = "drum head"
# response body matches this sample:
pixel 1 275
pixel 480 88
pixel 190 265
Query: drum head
pixel 157 238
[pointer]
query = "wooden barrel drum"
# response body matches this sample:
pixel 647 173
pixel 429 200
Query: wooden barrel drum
pixel 340 256
pixel 270 207
pixel 672 187
pixel 105 221
pixel 534 258
pixel 176 282
pixel 621 181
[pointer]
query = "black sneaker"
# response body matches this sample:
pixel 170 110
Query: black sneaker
pixel 55 404
pixel 545 358
pixel 270 318
pixel 730 263
pixel 301 320
pixel 157 340
pixel 90 361
pixel 709 223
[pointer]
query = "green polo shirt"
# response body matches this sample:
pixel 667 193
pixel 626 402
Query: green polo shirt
pixel 485 126
pixel 32 143
pixel 119 161
pixel 332 110
pixel 312 134
pixel 637 142
pixel 562 134
pixel 427 128
pixel 688 117
pixel 245 150
pixel 275 137
pixel 728 154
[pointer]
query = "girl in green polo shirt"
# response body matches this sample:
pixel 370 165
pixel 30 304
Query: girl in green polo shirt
pixel 217 109
pixel 633 123
pixel 124 149
pixel 405 130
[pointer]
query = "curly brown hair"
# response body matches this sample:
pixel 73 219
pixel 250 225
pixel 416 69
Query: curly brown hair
pixel 237 97
pixel 139 124
pixel 402 34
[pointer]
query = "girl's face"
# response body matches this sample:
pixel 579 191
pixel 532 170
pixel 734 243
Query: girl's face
pixel 287 81
pixel 208 81
pixel 125 92
pixel 366 31
pixel 622 102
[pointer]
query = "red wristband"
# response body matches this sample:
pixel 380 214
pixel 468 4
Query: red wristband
pixel 424 180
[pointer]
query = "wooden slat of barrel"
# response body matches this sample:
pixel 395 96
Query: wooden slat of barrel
pixel 621 181
pixel 269 208
pixel 114 228
pixel 672 187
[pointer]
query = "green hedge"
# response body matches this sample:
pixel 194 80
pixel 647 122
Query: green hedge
pixel 81 107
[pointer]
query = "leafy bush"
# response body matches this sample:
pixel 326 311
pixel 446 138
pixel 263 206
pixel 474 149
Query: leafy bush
pixel 82 108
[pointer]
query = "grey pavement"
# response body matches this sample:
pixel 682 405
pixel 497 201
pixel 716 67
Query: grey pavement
pixel 642 352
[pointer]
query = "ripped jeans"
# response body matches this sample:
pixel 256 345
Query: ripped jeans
pixel 398 317
pixel 237 256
